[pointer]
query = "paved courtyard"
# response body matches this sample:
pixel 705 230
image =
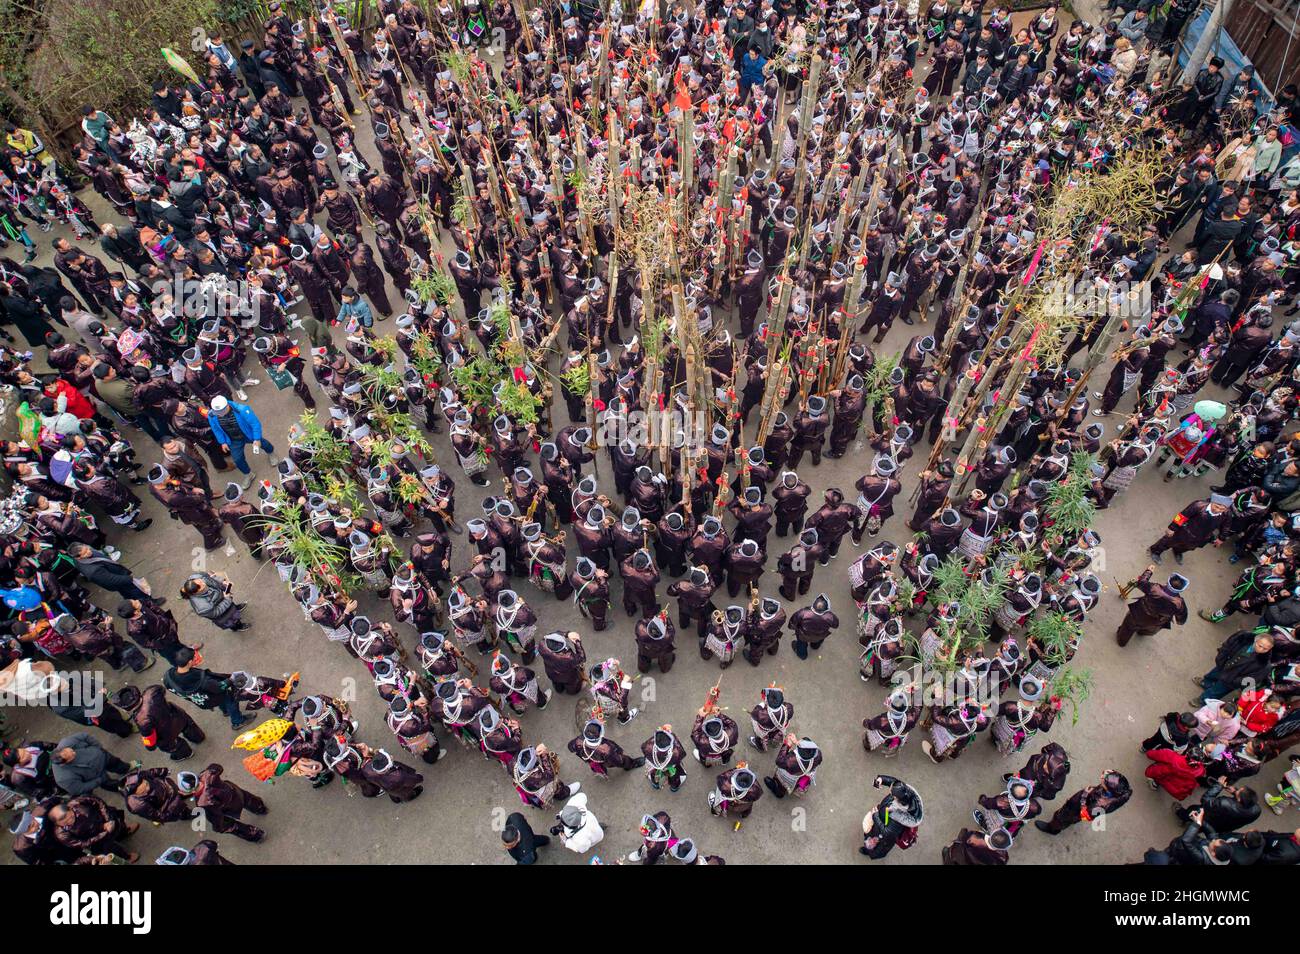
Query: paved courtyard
pixel 467 799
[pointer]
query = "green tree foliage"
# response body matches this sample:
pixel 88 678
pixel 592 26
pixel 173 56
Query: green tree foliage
pixel 59 55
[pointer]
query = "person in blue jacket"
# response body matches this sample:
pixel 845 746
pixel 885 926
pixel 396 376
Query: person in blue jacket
pixel 751 71
pixel 235 426
pixel 354 307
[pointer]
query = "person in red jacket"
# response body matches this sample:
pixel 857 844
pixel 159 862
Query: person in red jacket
pixel 1176 772
pixel 1259 710
pixel 78 404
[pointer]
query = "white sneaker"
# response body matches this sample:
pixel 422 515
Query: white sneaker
pixel 574 788
pixel 241 394
pixel 636 855
pixel 696 753
pixel 252 382
pixel 442 754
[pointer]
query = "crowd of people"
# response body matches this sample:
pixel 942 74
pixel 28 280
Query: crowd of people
pixel 506 190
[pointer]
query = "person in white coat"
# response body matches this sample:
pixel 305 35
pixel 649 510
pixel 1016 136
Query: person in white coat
pixel 578 830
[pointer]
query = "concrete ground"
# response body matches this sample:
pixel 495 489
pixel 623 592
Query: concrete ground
pixel 466 800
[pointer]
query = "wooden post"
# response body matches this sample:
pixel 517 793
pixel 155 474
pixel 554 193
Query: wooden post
pixel 811 82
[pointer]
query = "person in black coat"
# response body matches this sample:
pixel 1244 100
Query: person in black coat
pixel 520 841
pixel 24 314
pixel 1244 659
pixel 1205 90
pixel 248 68
pixel 1199 844
pixel 45 284
pixel 122 244
pixel 1226 807
pixel 98 568
pixel 1281 848
pixel 895 818
pixel 1212 316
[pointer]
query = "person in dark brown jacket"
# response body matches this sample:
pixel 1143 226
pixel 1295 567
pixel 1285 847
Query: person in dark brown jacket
pixel 640 577
pixel 943 531
pixel 187 504
pixel 714 736
pixel 745 561
pixel 1159 606
pixel 162 725
pixel 736 792
pixel 374 771
pixel 672 539
pixel 753 516
pixel 591 592
pixel 153 794
pixel 933 492
pixel 1199 523
pixel 1089 804
pixel 832 520
pixel 708 546
pixel 850 405
pixel 243 518
pixel 1047 769
pixel 694 597
pixel 664 755
pixel 97 638
pixel 797 761
pixel 222 802
pixel 602 753
pixel 798 564
pixel 87 823
pixel 654 643
pixel 563 657
pixel 978 848
pixel 876 493
pixel 811 625
pixel 790 502
pixel 106 492
pixel 810 426
pixel 762 631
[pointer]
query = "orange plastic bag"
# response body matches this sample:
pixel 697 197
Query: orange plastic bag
pixel 260 767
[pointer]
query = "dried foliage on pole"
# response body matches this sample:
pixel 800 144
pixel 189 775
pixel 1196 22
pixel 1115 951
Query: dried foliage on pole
pixel 1115 192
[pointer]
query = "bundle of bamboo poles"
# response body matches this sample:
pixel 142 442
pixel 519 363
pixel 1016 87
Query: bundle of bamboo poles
pixel 1118 195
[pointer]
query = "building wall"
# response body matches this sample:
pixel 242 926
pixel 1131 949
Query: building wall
pixel 1263 29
